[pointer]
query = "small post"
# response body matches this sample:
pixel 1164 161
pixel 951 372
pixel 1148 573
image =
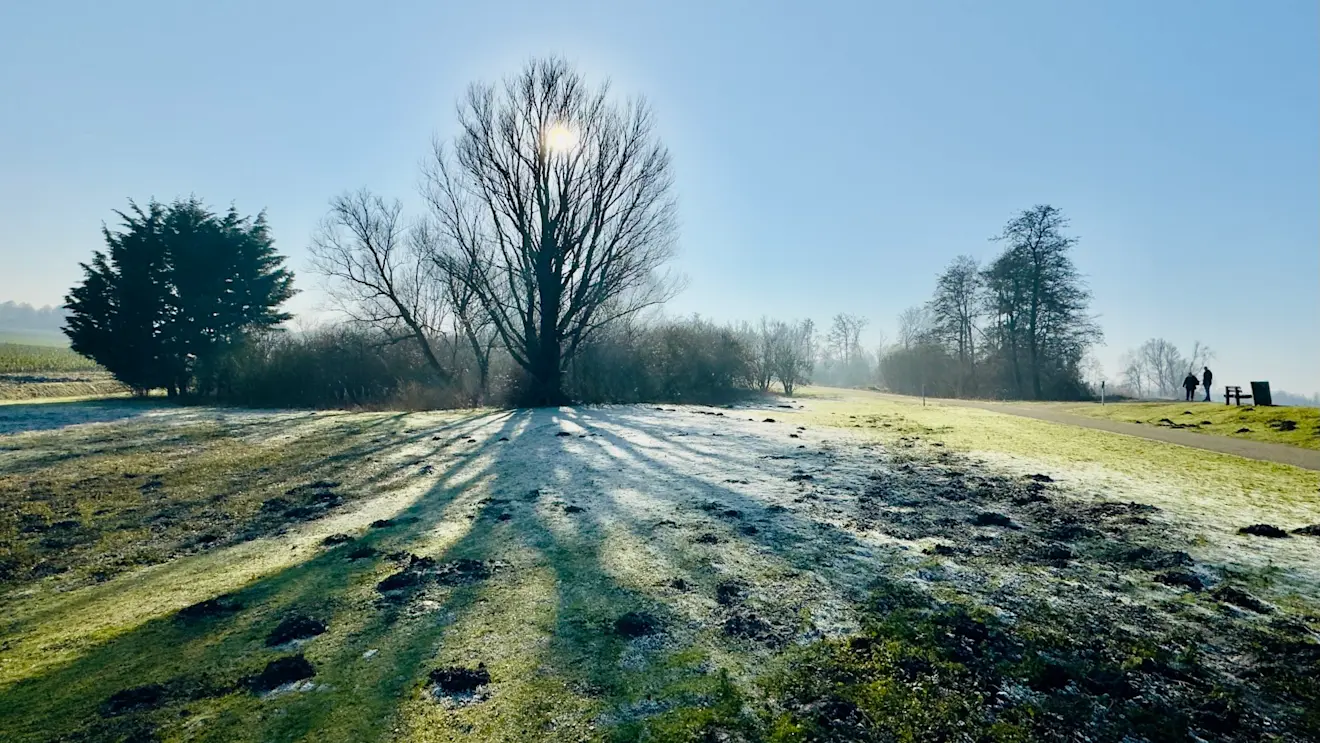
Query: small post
pixel 1102 393
pixel 923 394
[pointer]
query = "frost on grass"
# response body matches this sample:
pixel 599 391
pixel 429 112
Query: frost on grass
pixel 672 575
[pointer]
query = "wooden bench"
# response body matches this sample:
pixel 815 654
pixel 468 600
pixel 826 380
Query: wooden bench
pixel 1235 394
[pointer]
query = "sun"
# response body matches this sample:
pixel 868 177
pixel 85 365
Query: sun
pixel 560 138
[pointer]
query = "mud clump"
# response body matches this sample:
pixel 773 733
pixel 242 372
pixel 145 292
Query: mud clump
pixel 707 538
pixel 1264 530
pixel 294 627
pixel 457 680
pixel 563 434
pixel 801 477
pixel 991 518
pixel 747 625
pixel 573 509
pixel 1243 430
pixel 461 572
pixel 749 530
pixel 136 699
pixel 1040 478
pixel 382 523
pixel 361 553
pixel 636 624
pixel 729 592
pixel 731 513
pixel 1153 558
pixel 335 540
pixel 1310 531
pixel 504 516
pixel 768 420
pixel 943 550
pixel 281 671
pixel 1181 579
pixel 1241 599
pixel 1283 425
pixel 220 606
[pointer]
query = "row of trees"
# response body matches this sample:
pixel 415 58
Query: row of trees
pixel 1018 327
pixel 548 227
pixel 1157 368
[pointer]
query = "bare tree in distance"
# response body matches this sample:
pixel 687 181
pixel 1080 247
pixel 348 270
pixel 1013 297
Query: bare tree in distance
pixel 560 203
pixel 845 336
pixel 794 352
pixel 914 325
pixel 760 342
pixel 955 309
pixel 377 275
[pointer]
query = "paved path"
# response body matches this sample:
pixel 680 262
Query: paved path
pixel 1281 453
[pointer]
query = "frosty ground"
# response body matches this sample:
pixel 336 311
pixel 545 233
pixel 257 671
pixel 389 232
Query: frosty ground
pixel 838 567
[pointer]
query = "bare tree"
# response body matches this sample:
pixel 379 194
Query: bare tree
pixel 560 204
pixel 794 351
pixel 1164 366
pixel 377 275
pixel 471 323
pixel 760 343
pixel 914 326
pixel 955 309
pixel 845 336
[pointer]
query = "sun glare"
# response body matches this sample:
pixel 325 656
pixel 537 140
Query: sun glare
pixel 560 138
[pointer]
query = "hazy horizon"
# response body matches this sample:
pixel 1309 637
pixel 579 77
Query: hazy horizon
pixel 828 160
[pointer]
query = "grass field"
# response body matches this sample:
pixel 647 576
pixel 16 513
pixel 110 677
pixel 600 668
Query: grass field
pixel 16 358
pixel 32 372
pixel 849 567
pixel 1295 426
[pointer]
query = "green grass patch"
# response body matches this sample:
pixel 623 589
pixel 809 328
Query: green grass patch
pixel 21 358
pixel 1295 426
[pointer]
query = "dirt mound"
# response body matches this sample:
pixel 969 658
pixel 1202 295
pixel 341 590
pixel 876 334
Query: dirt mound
pixel 294 627
pixel 637 624
pixel 1283 425
pixel 361 552
pixel 459 680
pixel 336 539
pixel 424 570
pixel 1264 530
pixel 136 699
pixel 1241 599
pixel 748 625
pixel 1180 579
pixel 279 672
pixel 220 606
pixel 730 592
pixel 991 518
pixel 1311 531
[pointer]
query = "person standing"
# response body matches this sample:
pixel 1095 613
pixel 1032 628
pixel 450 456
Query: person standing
pixel 1207 377
pixel 1189 384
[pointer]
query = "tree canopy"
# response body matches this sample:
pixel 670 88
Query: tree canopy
pixel 175 289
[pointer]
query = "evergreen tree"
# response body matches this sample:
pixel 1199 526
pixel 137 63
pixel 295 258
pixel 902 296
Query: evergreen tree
pixel 176 290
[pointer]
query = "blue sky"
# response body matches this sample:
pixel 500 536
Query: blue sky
pixel 831 157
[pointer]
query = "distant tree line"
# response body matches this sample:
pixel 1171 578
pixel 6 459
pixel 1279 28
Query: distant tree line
pixel 23 316
pixel 1017 328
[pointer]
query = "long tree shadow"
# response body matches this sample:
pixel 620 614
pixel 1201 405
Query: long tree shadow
pixel 207 656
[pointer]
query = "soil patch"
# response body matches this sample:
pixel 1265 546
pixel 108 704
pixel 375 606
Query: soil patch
pixel 294 627
pixel 637 624
pixel 220 606
pixel 1264 530
pixel 281 671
